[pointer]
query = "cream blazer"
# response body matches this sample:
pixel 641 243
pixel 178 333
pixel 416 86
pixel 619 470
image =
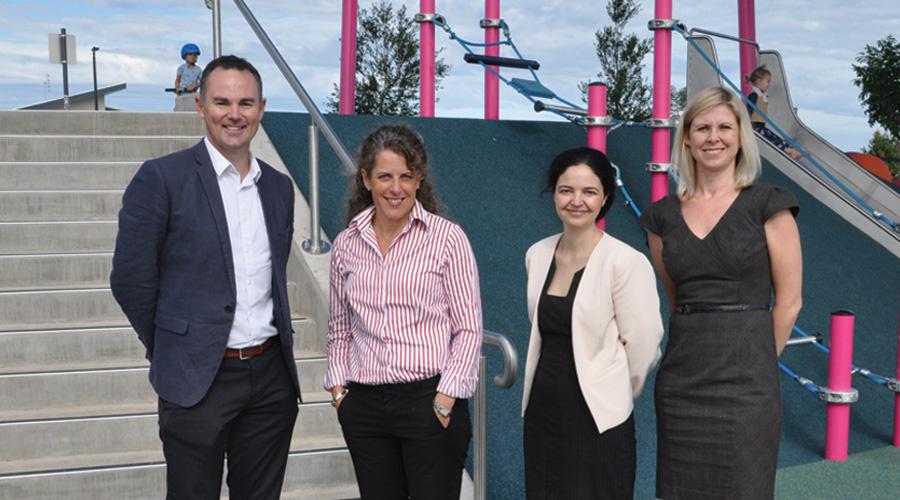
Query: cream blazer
pixel 616 326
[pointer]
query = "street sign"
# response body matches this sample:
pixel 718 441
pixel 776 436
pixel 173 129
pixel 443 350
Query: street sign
pixel 60 54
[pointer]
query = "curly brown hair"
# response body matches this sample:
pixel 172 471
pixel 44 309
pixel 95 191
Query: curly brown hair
pixel 401 139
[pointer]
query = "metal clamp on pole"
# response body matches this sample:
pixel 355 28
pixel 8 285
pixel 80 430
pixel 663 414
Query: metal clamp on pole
pixel 427 18
pixel 661 123
pixel 490 22
pixel 598 121
pixel 829 396
pixel 893 385
pixel 657 167
pixel 665 24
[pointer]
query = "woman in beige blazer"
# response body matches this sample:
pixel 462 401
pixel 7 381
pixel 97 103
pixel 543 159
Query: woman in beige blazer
pixel 595 335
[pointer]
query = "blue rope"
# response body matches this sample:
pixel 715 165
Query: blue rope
pixel 874 377
pixel 628 200
pixel 790 141
pixel 805 382
pixel 440 22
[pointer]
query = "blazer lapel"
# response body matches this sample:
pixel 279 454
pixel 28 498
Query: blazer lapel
pixel 211 189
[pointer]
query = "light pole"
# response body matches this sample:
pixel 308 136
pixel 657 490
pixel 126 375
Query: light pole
pixel 94 50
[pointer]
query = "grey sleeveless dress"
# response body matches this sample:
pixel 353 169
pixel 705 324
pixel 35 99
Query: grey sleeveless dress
pixel 718 396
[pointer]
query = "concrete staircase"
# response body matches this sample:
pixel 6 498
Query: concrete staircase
pixel 77 414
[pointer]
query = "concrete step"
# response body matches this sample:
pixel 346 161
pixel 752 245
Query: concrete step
pixel 71 394
pixel 85 148
pixel 29 238
pixel 100 123
pixel 101 348
pixel 51 445
pixel 55 272
pixel 39 206
pixel 320 475
pixel 67 175
pixel 59 309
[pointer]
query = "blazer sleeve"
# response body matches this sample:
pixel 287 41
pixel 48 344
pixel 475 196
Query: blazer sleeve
pixel 636 307
pixel 134 279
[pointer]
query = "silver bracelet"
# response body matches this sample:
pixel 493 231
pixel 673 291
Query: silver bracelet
pixel 335 399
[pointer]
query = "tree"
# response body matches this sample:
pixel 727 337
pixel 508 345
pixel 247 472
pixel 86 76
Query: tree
pixel 885 147
pixel 628 94
pixel 387 64
pixel 878 78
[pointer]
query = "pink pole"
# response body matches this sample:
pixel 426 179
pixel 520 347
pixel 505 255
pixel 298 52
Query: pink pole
pixel 897 401
pixel 596 132
pixel 491 82
pixel 662 83
pixel 426 62
pixel 347 103
pixel 840 362
pixel 747 31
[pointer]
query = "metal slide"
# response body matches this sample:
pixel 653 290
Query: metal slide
pixel 843 174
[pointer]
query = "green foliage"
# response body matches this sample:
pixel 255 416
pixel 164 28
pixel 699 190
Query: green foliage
pixel 878 78
pixel 387 64
pixel 679 101
pixel 629 95
pixel 885 147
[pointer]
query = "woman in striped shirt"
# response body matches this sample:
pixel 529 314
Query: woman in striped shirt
pixel 405 329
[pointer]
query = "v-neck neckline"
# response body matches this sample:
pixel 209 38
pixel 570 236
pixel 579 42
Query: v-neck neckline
pixel 716 225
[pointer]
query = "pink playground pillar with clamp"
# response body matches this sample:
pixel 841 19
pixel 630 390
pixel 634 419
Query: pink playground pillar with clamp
pixel 491 82
pixel 840 365
pixel 426 62
pixel 747 31
pixel 347 103
pixel 596 127
pixel 662 85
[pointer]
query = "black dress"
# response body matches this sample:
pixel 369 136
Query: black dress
pixel 718 394
pixel 565 457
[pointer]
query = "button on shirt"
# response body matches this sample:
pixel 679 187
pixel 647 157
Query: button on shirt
pixel 250 251
pixel 407 315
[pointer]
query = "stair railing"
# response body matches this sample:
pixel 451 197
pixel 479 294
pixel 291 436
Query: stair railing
pixel 503 381
pixel 313 245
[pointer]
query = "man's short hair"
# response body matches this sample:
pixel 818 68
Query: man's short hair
pixel 229 62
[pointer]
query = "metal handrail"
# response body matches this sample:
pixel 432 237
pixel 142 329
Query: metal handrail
pixel 504 381
pixel 314 245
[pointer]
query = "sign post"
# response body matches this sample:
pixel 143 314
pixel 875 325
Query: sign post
pixel 62 51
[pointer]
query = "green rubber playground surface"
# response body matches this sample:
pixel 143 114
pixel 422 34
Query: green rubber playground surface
pixel 490 174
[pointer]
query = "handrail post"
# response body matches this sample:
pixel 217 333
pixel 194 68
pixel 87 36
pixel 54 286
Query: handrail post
pixel 314 244
pixel 339 149
pixel 216 8
pixel 479 448
pixel 504 381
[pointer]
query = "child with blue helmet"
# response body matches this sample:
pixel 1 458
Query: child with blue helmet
pixel 187 78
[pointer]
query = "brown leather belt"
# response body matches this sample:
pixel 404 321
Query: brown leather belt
pixel 249 352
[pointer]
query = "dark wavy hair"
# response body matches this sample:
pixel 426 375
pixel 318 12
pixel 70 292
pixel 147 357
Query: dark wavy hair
pixel 597 161
pixel 401 139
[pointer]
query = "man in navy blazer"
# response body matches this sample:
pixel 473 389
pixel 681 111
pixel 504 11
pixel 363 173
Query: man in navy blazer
pixel 200 271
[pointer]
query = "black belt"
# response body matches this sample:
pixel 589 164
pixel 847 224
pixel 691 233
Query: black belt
pixel 703 308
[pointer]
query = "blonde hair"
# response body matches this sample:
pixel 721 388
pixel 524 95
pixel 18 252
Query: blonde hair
pixel 747 164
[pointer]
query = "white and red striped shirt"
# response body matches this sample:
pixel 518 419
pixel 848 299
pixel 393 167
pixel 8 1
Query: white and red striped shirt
pixel 407 315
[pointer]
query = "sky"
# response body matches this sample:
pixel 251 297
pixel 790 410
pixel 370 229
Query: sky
pixel 140 45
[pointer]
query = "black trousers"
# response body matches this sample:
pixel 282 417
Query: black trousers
pixel 400 449
pixel 248 415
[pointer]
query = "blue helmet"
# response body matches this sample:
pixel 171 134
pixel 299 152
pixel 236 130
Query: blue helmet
pixel 189 48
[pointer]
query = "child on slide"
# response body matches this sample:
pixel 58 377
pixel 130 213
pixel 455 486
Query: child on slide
pixel 761 78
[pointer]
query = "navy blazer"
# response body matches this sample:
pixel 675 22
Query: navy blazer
pixel 173 272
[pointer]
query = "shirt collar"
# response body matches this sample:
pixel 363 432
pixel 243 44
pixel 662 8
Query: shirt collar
pixel 221 164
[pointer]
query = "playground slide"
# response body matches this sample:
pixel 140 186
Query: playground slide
pixel 847 188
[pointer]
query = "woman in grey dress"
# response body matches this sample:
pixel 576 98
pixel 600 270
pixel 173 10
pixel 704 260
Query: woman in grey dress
pixel 721 246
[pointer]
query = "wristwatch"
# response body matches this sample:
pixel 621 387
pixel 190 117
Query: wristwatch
pixel 445 412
